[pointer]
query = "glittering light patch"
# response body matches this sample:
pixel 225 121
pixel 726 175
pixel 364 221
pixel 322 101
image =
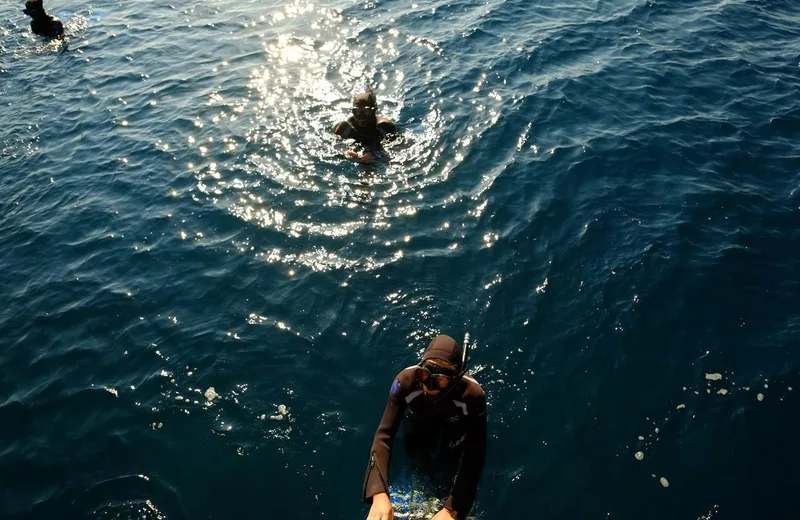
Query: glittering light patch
pixel 268 157
pixel 496 280
pixel 708 516
pixel 700 404
pixel 143 509
pixel 489 239
pixel 211 394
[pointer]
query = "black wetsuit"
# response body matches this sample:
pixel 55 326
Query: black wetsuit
pixel 454 426
pixel 43 24
pixel 370 136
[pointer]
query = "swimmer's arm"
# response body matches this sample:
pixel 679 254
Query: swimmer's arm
pixel 376 479
pixel 465 488
pixel 346 131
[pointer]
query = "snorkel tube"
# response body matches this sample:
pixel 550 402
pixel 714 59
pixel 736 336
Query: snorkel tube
pixel 464 350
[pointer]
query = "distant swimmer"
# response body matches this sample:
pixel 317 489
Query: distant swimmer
pixel 366 127
pixel 43 24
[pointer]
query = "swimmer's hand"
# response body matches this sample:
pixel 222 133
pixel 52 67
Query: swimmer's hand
pixel 381 508
pixel 444 514
pixel 365 157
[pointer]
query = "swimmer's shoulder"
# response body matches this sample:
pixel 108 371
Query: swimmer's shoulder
pixel 386 126
pixel 345 129
pixel 474 393
pixel 404 382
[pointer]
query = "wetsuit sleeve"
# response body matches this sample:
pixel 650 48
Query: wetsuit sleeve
pixel 465 487
pixel 376 479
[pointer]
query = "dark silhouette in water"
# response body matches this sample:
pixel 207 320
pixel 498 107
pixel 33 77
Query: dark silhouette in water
pixel 43 24
pixel 366 127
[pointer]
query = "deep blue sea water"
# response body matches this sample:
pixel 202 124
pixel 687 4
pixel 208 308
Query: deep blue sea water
pixel 205 303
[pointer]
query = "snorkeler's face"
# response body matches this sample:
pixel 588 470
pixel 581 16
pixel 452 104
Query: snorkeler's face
pixel 364 114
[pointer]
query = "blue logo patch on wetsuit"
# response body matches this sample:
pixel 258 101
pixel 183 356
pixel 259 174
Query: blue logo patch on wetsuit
pixel 396 386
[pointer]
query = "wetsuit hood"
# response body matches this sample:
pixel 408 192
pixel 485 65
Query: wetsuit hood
pixel 365 99
pixel 446 348
pixel 34 8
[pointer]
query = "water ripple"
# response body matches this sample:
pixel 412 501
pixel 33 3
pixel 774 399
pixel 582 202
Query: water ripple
pixel 206 302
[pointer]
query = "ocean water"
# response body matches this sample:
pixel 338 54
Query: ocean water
pixel 205 303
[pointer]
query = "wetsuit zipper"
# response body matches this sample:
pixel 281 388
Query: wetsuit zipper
pixel 380 474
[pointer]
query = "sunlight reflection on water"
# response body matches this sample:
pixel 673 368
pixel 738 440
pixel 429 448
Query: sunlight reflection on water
pixel 273 161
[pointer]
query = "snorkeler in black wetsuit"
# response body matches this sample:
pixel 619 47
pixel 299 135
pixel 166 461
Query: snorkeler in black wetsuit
pixel 366 127
pixel 446 416
pixel 43 24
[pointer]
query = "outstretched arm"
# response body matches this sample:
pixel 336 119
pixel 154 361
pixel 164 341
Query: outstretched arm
pixel 376 479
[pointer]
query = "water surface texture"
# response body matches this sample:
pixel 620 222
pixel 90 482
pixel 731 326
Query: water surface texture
pixel 205 302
